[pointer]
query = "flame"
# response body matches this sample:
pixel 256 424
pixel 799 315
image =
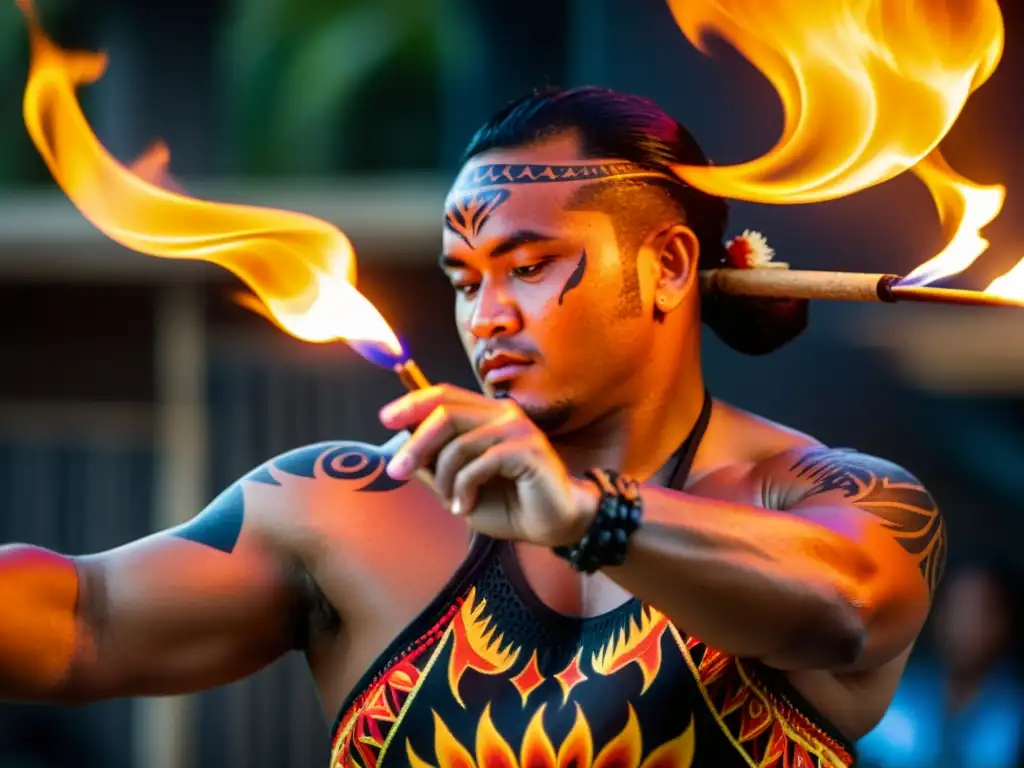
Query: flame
pixel 965 208
pixel 869 88
pixel 577 749
pixel 640 643
pixel 300 268
pixel 571 676
pixel 529 678
pixel 477 645
pixel 1010 284
pixel 493 751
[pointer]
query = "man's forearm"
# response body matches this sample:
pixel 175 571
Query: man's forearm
pixel 38 623
pixel 748 581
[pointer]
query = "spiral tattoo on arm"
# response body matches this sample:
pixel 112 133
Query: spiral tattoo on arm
pixel 220 524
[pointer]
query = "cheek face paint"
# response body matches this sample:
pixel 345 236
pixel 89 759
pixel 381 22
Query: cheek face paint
pixel 575 278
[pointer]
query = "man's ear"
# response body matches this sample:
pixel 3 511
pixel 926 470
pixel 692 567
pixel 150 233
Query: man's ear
pixel 678 255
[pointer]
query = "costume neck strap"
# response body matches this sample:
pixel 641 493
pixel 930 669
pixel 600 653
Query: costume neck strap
pixel 688 449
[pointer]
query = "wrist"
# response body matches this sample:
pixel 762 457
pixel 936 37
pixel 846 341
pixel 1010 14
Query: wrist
pixel 609 510
pixel 586 501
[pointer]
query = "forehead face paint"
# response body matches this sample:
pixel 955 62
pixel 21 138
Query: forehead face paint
pixel 498 174
pixel 481 189
pixel 467 212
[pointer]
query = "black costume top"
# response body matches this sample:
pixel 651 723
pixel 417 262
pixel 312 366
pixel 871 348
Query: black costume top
pixel 488 675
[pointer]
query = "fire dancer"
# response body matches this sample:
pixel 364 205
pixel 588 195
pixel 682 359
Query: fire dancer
pixel 653 577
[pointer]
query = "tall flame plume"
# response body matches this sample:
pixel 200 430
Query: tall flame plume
pixel 869 89
pixel 300 269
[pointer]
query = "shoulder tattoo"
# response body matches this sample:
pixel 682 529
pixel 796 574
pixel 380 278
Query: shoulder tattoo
pixel 888 492
pixel 220 524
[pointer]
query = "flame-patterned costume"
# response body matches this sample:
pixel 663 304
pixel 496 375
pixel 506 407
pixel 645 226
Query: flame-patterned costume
pixel 489 675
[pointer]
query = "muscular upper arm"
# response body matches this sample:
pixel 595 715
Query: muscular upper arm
pixel 893 520
pixel 221 596
pixel 186 609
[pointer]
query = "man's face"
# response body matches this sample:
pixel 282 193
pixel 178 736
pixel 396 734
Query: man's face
pixel 549 310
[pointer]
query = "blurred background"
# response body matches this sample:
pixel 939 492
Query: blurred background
pixel 133 389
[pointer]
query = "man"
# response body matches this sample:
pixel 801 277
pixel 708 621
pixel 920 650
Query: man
pixel 753 601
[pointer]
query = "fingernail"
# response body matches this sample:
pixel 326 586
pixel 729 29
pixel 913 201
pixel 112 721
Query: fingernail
pixel 388 412
pixel 397 466
pixel 457 507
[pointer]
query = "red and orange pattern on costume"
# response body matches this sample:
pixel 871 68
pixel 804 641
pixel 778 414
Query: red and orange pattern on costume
pixel 494 681
pixel 763 724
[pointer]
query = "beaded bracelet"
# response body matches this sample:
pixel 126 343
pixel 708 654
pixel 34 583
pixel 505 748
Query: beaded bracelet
pixel 619 512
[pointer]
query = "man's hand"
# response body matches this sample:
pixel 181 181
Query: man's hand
pixel 490 464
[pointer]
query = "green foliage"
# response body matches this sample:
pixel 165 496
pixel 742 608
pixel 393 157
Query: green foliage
pixel 314 86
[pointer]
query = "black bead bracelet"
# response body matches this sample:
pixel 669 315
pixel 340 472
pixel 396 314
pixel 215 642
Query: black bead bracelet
pixel 619 513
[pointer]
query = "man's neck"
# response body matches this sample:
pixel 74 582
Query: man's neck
pixel 640 440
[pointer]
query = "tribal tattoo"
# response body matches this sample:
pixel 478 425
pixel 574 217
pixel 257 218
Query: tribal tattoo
pixel 575 278
pixel 466 214
pixel 220 524
pixel 516 173
pixel 888 492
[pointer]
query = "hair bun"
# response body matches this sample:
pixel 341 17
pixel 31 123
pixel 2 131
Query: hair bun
pixel 754 325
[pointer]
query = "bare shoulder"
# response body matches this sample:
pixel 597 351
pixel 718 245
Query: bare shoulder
pixel 779 468
pixel 819 482
pixel 324 512
pixel 292 500
pixel 815 474
pixel 775 451
pixel 747 438
pixel 771 451
pixel 736 446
